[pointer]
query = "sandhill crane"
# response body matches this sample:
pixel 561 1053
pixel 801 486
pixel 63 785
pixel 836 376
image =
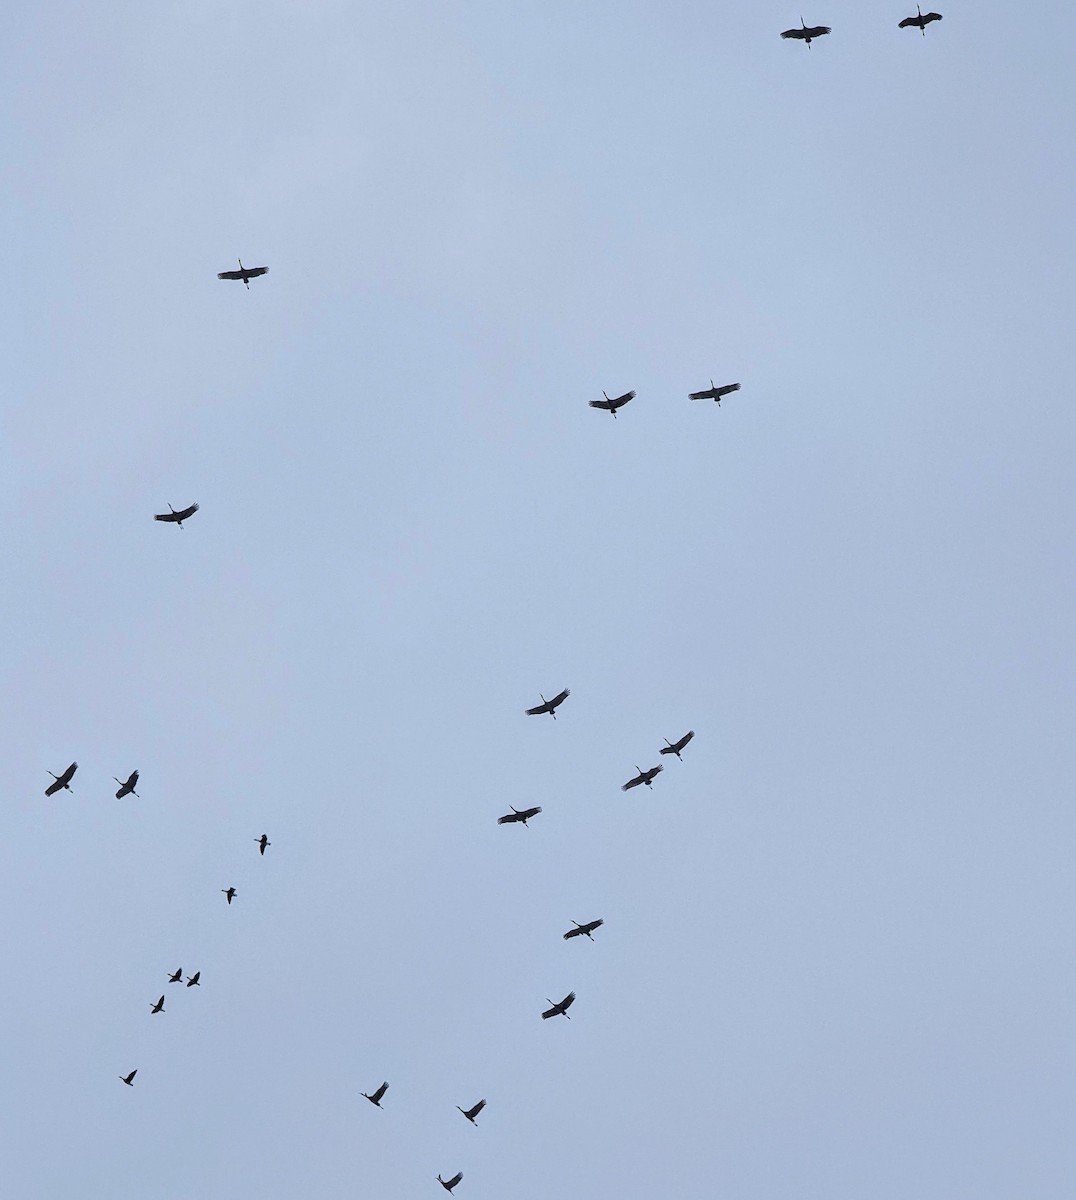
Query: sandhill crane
pixel 246 274
pixel 613 404
pixel 177 977
pixel 449 1184
pixel 921 21
pixel 548 706
pixel 807 33
pixel 559 1010
pixel 263 841
pixel 176 518
pixel 471 1113
pixel 643 777
pixel 129 1079
pixel 516 815
pixel 714 393
pixel 128 788
pixel 230 893
pixel 193 980
pixel 62 781
pixel 376 1097
pixel 158 1007
pixel 583 930
pixel 676 747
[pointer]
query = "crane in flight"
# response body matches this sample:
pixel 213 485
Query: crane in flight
pixel 62 781
pixel 583 930
pixel 128 788
pixel 559 1010
pixel 176 518
pixel 195 979
pixel 229 894
pixel 515 815
pixel 246 274
pixel 158 1007
pixel 548 706
pixel 611 405
pixel 449 1184
pixel 676 747
pixel 129 1079
pixel 921 21
pixel 807 33
pixel 376 1097
pixel 714 393
pixel 471 1113
pixel 643 777
pixel 263 841
pixel 177 977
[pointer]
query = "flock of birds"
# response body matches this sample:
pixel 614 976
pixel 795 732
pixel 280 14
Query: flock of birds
pixel 808 33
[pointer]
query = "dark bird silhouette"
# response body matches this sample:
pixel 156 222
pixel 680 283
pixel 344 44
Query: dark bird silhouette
pixel 643 777
pixel 128 788
pixel 807 33
pixel 548 706
pixel 921 21
pixel 246 274
pixel 177 977
pixel 158 1007
pixel 193 980
pixel 516 815
pixel 62 781
pixel 230 893
pixel 714 393
pixel 613 404
pixel 177 518
pixel 129 1079
pixel 583 930
pixel 471 1113
pixel 559 1010
pixel 676 747
pixel 449 1184
pixel 376 1097
pixel 263 841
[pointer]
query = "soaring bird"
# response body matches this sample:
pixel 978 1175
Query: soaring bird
pixel 548 706
pixel 807 33
pixel 613 404
pixel 158 1007
pixel 643 777
pixel 583 930
pixel 376 1097
pixel 230 893
pixel 193 980
pixel 714 393
pixel 128 788
pixel 246 274
pixel 449 1184
pixel 921 21
pixel 676 747
pixel 559 1010
pixel 177 518
pixel 516 815
pixel 177 977
pixel 129 1079
pixel 62 781
pixel 471 1113
pixel 263 841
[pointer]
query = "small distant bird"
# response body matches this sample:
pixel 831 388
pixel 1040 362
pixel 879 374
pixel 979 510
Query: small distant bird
pixel 177 977
pixel 643 777
pixel 559 1010
pixel 583 930
pixel 449 1184
pixel 714 393
pixel 807 33
pixel 230 893
pixel 676 747
pixel 263 841
pixel 192 980
pixel 246 274
pixel 471 1113
pixel 548 706
pixel 613 404
pixel 129 1079
pixel 158 1007
pixel 921 21
pixel 177 518
pixel 516 815
pixel 128 788
pixel 62 781
pixel 376 1097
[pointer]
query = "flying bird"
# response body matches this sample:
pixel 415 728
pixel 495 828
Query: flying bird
pixel 128 788
pixel 807 33
pixel 643 777
pixel 376 1097
pixel 548 706
pixel 449 1184
pixel 471 1113
pixel 559 1010
pixel 613 404
pixel 177 977
pixel 62 781
pixel 192 980
pixel 246 274
pixel 158 1007
pixel 676 747
pixel 516 815
pixel 921 21
pixel 230 893
pixel 129 1079
pixel 176 518
pixel 714 393
pixel 263 841
pixel 583 930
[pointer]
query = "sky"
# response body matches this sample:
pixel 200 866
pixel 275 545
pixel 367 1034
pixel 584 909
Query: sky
pixel 837 952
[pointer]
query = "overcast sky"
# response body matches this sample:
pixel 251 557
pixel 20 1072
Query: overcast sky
pixel 837 958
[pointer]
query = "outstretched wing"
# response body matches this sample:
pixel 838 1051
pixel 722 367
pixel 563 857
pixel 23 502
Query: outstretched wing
pixel 254 272
pixel 625 787
pixel 558 700
pixel 538 708
pixel 907 22
pixel 53 788
pixel 592 925
pixel 788 33
pixel 187 512
pixel 568 1001
pixel 471 1113
pixel 817 31
pixel 620 401
pixel 527 813
pixel 550 1012
pixel 508 818
pixel 232 274
pixel 606 404
pixel 708 394
pixel 577 932
pixel 724 391
pixel 931 16
pixel 380 1091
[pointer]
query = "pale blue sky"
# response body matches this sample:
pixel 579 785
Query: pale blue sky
pixel 837 959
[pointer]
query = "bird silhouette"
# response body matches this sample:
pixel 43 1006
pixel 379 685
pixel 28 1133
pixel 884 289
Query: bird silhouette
pixel 230 893
pixel 515 815
pixel 559 1010
pixel 449 1184
pixel 583 930
pixel 920 22
pixel 612 405
pixel 643 777
pixel 177 518
pixel 62 781
pixel 807 33
pixel 177 977
pixel 244 273
pixel 193 980
pixel 129 1079
pixel 263 841
pixel 376 1097
pixel 471 1113
pixel 128 788
pixel 714 393
pixel 548 706
pixel 158 1007
pixel 676 747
